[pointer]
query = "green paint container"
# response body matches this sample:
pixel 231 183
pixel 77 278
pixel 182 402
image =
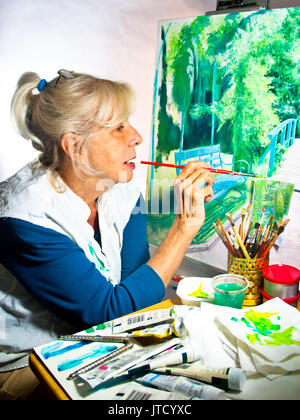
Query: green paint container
pixel 229 290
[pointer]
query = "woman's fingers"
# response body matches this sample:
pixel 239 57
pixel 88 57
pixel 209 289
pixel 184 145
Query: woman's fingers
pixel 193 188
pixel 195 180
pixel 208 193
pixel 190 168
pixel 192 172
pixel 194 195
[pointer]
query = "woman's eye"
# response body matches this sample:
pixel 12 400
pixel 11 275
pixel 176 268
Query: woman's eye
pixel 120 128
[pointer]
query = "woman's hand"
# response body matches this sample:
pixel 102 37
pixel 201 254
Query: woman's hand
pixel 193 188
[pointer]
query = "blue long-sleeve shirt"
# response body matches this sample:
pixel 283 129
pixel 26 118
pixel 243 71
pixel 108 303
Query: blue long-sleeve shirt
pixel 58 274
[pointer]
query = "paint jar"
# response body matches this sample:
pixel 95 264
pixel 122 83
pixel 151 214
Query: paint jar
pixel 252 270
pixel 229 290
pixel 281 281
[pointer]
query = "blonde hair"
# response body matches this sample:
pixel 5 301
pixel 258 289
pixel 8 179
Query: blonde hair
pixel 81 105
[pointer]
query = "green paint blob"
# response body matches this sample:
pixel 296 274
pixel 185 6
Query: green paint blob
pixel 261 321
pixel 104 325
pixel 245 321
pixel 100 327
pixel 90 330
pixel 265 332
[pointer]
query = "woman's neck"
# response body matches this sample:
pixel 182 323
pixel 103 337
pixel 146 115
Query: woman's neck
pixel 93 219
pixel 88 189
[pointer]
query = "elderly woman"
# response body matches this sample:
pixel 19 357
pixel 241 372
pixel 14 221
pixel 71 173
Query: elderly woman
pixel 74 251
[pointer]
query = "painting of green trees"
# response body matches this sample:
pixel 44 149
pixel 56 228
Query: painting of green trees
pixel 230 81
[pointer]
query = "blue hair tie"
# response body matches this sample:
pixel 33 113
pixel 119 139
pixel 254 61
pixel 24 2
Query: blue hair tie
pixel 42 84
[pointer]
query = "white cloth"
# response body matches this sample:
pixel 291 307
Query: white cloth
pixel 263 339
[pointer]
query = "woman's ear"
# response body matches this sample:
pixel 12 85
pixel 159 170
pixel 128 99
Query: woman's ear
pixel 69 142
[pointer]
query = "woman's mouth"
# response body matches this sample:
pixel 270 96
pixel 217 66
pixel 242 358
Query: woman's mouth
pixel 130 164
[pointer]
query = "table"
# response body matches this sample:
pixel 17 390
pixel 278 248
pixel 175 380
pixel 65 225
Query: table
pixel 50 384
pixel 257 387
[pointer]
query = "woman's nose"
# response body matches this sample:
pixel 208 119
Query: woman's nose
pixel 135 138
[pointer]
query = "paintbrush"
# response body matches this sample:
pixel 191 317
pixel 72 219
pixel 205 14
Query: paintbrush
pixel 225 234
pixel 270 226
pixel 272 241
pixel 248 222
pixel 257 232
pixel 265 236
pixel 266 224
pixel 241 228
pixel 247 234
pixel 231 250
pixel 257 241
pixel 238 252
pixel 252 239
pixel 214 170
pixel 273 230
pixel 272 233
pixel 274 236
pixel 276 231
pixel 284 222
pixel 239 240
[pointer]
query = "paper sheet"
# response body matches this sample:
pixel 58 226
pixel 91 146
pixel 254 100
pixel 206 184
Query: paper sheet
pixel 264 339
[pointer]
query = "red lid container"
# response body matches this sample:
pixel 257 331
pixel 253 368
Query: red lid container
pixel 281 274
pixel 287 300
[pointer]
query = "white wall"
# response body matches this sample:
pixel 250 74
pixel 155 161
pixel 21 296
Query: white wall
pixel 109 38
pixel 113 39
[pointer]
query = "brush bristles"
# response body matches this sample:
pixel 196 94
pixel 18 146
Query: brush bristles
pixel 229 217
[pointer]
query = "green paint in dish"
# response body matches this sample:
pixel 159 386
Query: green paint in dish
pixel 226 295
pixel 229 287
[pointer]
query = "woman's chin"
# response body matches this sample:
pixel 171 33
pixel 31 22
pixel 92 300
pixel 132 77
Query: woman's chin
pixel 126 174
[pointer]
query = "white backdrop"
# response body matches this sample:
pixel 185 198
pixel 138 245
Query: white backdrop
pixel 113 39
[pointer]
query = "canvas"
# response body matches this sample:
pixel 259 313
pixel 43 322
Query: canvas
pixel 226 91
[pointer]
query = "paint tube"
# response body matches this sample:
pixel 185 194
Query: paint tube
pixel 182 353
pixel 182 385
pixel 139 392
pixel 160 332
pixel 229 378
pixel 141 320
pixel 153 335
pixel 124 361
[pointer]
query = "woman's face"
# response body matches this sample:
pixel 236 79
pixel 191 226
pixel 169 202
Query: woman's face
pixel 112 151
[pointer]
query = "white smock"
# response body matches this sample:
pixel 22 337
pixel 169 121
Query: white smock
pixel 28 195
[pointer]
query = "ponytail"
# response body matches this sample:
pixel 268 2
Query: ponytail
pixel 22 104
